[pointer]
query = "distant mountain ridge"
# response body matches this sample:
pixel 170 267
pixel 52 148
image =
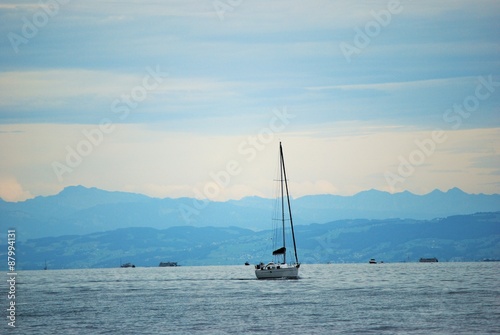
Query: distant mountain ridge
pixel 375 204
pixel 79 210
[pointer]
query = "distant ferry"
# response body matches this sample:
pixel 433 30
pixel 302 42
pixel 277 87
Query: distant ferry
pixel 127 265
pixel 372 261
pixel 428 260
pixel 167 264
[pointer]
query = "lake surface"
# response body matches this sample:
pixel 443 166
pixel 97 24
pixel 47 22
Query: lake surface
pixel 404 298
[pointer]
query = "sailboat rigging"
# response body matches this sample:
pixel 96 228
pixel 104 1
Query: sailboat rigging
pixel 281 269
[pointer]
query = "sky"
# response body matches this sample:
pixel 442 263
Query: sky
pixel 191 98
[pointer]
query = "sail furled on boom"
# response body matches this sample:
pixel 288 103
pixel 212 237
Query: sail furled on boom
pixel 280 251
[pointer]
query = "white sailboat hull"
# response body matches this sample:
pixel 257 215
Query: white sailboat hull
pixel 284 271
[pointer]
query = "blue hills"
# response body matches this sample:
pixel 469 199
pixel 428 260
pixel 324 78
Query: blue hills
pixel 87 227
pixel 79 210
pixel 456 238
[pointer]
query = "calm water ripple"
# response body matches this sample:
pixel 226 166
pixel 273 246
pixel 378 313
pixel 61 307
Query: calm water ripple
pixel 405 298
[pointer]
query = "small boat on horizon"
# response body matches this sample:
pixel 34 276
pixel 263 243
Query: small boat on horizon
pixel 428 260
pixel 168 264
pixel 127 265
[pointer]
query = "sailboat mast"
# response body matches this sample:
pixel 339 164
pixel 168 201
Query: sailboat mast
pixel 282 168
pixel 289 207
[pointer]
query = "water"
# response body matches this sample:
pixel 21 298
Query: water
pixel 406 298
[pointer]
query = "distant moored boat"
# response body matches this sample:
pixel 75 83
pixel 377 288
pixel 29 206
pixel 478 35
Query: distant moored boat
pixel 428 260
pixel 127 265
pixel 167 264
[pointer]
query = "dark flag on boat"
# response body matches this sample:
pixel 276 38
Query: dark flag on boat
pixel 279 251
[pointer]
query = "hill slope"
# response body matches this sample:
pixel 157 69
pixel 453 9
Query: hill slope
pixel 455 238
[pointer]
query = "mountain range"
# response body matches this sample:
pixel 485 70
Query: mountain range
pixel 78 210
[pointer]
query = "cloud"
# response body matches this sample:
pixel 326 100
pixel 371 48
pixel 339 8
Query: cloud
pixel 11 190
pixel 17 87
pixel 392 86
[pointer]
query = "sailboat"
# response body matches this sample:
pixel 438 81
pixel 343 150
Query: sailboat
pixel 279 268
